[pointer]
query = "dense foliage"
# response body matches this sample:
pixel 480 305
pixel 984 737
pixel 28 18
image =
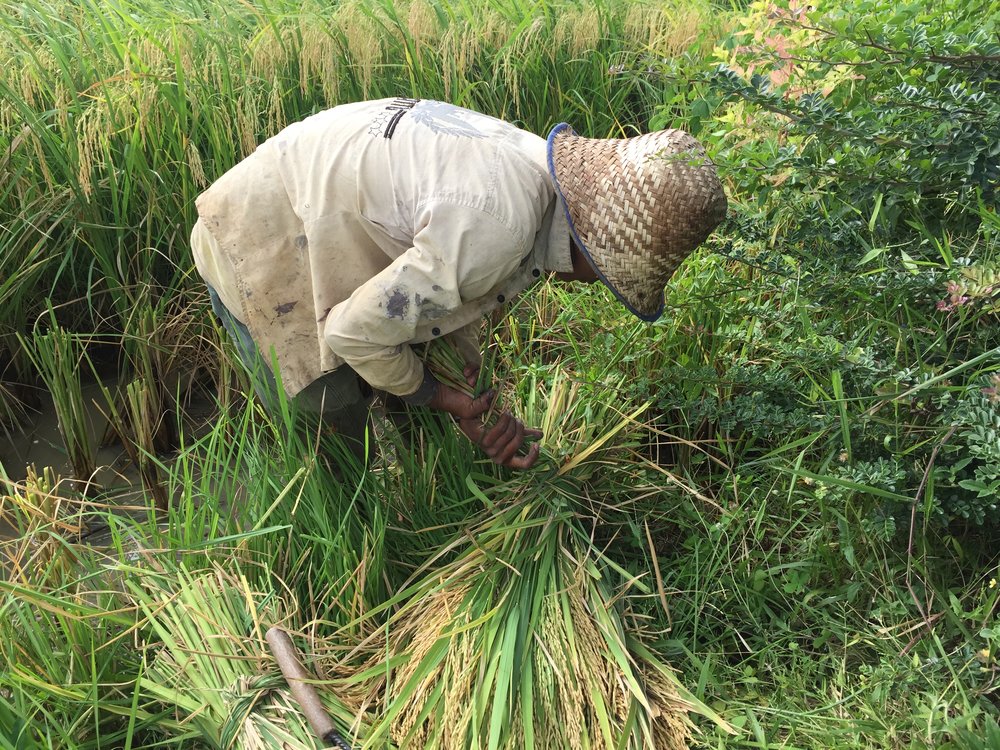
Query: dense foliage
pixel 890 109
pixel 862 137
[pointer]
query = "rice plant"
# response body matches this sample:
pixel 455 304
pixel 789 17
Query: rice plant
pixel 145 416
pixel 46 522
pixel 59 357
pixel 65 668
pixel 211 670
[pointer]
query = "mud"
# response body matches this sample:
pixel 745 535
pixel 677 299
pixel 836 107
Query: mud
pixel 37 443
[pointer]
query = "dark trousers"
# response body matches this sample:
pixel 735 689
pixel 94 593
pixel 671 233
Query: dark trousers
pixel 339 400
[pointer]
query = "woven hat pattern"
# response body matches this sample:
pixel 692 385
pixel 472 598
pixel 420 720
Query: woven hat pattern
pixel 637 206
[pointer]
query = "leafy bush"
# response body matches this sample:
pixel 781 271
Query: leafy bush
pixel 969 485
pixel 887 112
pixel 858 142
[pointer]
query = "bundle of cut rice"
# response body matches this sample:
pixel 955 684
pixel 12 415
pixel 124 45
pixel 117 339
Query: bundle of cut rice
pixel 210 665
pixel 523 640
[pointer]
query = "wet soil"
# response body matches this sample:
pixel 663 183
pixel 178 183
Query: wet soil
pixel 37 442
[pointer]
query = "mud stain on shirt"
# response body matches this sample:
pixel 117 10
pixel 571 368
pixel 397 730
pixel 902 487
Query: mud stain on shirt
pixel 398 304
pixel 429 309
pixel 285 308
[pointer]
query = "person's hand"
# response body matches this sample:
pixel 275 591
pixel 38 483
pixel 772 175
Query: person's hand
pixel 471 373
pixel 459 405
pixel 502 440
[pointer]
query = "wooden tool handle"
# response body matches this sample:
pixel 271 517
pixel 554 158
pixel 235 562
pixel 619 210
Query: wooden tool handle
pixel 303 692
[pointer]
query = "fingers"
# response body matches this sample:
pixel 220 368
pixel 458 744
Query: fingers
pixel 460 405
pixel 525 462
pixel 493 436
pixel 502 441
pixel 473 429
pixel 471 373
pixel 476 407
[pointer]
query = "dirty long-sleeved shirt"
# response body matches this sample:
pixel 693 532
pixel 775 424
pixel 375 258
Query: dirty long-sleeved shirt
pixel 371 226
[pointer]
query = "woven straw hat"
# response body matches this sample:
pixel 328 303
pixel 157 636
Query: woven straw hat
pixel 637 207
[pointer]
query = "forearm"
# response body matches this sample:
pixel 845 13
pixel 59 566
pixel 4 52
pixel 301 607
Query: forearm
pixel 394 369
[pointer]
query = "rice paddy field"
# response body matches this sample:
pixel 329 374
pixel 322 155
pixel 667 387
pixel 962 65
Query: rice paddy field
pixel 768 520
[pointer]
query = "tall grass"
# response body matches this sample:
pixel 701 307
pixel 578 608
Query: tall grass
pixel 60 359
pixel 116 115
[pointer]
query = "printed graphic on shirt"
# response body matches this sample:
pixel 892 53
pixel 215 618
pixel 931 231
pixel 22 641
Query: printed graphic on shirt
pixel 447 119
pixel 385 121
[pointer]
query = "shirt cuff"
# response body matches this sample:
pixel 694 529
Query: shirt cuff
pixel 425 392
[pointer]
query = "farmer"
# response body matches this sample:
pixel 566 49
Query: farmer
pixel 372 226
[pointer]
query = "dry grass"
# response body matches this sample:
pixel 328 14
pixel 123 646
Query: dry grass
pixel 43 511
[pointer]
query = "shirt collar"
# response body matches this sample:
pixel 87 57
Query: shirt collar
pixel 555 255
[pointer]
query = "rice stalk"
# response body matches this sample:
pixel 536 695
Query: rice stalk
pixel 43 517
pixel 144 411
pixel 58 356
pixel 213 666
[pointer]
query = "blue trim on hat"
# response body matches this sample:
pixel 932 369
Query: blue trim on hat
pixel 550 141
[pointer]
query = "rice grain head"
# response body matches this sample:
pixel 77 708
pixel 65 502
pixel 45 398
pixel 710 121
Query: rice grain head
pixel 364 45
pixel 276 120
pixel 32 79
pixel 671 727
pixel 459 687
pixel 41 160
pixel 569 696
pixel 269 53
pixel 319 59
pixel 418 631
pixel 579 32
pixel 195 164
pixel 423 27
pixel 92 143
pixel 246 122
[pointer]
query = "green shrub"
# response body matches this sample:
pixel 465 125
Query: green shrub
pixel 969 478
pixel 884 113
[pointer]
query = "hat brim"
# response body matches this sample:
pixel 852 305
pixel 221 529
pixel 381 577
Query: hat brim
pixel 636 307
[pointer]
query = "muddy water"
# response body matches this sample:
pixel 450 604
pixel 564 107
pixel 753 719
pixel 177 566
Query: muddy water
pixel 37 443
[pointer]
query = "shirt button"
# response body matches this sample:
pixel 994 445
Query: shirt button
pixel 536 273
pixel 436 331
pixel 500 298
